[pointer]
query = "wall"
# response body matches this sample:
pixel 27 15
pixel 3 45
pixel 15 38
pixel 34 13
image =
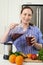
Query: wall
pixel 9 12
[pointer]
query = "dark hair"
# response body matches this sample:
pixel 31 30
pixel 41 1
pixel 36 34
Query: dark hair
pixel 31 24
pixel 26 7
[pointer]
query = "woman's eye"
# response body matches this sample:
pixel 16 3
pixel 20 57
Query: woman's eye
pixel 25 14
pixel 29 14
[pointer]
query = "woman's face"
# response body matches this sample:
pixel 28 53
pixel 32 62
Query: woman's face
pixel 26 16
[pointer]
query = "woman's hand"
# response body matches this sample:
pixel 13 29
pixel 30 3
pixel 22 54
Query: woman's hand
pixel 33 40
pixel 12 25
pixel 35 44
pixel 5 36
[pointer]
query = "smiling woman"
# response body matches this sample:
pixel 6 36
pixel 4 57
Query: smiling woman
pixel 25 28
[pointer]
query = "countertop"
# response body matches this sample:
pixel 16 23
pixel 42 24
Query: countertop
pixel 6 62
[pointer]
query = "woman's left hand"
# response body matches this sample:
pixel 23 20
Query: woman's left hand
pixel 33 40
pixel 35 44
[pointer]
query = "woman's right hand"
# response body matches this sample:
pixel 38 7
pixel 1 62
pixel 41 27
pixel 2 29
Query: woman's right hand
pixel 12 25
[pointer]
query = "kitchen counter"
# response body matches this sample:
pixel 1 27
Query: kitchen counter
pixel 6 62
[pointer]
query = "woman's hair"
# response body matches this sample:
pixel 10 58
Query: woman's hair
pixel 26 7
pixel 31 24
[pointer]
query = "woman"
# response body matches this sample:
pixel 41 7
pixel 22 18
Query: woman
pixel 26 28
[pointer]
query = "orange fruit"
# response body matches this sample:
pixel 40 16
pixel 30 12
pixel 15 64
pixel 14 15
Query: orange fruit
pixel 29 55
pixel 19 60
pixel 12 58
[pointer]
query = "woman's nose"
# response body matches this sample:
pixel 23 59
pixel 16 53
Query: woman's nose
pixel 27 17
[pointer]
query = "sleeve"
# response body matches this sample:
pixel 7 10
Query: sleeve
pixel 40 39
pixel 9 39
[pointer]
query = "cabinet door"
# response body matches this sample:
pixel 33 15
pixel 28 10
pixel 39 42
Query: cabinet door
pixel 41 27
pixel 38 16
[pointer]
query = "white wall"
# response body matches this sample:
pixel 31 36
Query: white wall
pixel 9 12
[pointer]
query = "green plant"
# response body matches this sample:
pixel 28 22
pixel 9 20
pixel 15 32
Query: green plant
pixel 19 53
pixel 40 54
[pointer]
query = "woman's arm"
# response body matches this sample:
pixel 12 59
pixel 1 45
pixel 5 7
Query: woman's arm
pixel 37 46
pixel 6 34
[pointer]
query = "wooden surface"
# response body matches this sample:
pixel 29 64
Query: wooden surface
pixel 30 60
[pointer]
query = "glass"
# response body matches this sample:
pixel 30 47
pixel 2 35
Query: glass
pixel 29 37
